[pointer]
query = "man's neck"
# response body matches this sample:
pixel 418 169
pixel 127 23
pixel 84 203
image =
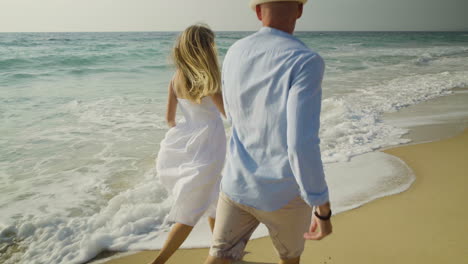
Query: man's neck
pixel 288 28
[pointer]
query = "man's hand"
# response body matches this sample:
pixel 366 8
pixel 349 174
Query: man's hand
pixel 324 226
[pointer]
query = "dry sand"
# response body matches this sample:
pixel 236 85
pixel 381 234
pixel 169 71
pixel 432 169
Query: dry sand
pixel 427 224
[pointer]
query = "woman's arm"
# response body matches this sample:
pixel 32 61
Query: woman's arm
pixel 218 101
pixel 171 105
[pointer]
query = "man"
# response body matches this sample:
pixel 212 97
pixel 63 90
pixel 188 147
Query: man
pixel 273 172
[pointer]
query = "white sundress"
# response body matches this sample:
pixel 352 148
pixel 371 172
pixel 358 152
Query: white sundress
pixel 190 161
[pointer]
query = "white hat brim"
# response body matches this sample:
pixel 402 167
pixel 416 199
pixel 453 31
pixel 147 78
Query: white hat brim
pixel 254 3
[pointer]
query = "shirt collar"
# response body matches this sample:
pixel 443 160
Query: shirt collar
pixel 275 31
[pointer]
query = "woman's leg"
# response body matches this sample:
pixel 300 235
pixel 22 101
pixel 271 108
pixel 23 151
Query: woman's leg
pixel 177 236
pixel 211 222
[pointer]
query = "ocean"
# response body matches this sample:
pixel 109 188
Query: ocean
pixel 82 115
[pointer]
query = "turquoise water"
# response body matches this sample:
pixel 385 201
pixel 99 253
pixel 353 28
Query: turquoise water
pixel 82 115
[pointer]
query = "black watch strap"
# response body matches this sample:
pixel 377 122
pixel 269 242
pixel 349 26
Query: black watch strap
pixel 324 218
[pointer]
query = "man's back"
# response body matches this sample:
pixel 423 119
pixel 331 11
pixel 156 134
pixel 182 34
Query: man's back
pixel 269 79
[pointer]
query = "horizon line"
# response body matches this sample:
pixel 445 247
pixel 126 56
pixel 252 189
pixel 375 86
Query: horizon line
pixel 297 31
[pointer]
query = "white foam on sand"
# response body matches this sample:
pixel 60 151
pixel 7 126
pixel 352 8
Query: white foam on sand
pixel 352 184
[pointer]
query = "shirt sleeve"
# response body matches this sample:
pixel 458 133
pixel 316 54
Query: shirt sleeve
pixel 303 123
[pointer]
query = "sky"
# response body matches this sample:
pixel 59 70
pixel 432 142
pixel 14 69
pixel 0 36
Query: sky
pixel 232 15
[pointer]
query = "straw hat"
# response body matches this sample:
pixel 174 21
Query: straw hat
pixel 254 3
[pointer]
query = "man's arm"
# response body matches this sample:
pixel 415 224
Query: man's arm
pixel 303 117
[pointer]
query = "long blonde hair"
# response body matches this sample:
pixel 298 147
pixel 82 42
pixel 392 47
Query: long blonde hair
pixel 196 60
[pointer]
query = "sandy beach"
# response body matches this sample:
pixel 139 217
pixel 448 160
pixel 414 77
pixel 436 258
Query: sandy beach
pixel 425 224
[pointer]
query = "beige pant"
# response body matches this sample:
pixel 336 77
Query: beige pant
pixel 235 224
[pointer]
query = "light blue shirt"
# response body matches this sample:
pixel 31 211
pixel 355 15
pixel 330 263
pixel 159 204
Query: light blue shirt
pixel 272 96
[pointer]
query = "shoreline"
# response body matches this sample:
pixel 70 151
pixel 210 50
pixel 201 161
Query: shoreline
pixel 406 222
pixel 432 115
